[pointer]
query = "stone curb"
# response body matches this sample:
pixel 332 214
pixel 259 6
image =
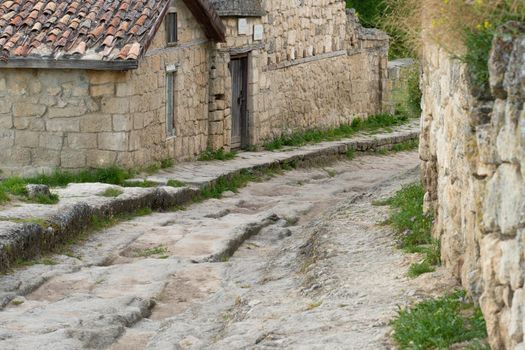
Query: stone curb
pixel 28 240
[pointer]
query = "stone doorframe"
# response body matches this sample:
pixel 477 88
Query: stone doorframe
pixel 239 68
pixel 251 53
pixel 220 96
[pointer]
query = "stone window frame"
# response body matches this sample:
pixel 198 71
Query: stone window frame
pixel 172 99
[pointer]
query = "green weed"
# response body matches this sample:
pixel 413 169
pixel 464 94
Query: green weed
pixel 408 219
pixel 112 192
pixel 372 123
pixel 175 183
pixel 17 186
pixel 31 262
pixel 142 183
pixel 97 223
pixel 330 172
pixel 167 163
pixel 45 199
pixel 4 197
pixel 398 147
pixel 226 183
pixel 149 252
pixel 152 169
pixel 418 269
pixel 59 178
pixel 478 43
pixel 414 228
pixel 219 154
pixel 350 154
pixel 314 305
pixel 372 14
pixel 438 323
pixel 36 221
pixel 405 146
pixel 407 94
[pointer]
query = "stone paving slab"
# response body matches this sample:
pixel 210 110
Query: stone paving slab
pixel 28 230
pixel 201 173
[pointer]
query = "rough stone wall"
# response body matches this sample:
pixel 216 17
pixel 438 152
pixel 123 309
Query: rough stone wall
pixel 329 82
pixel 315 67
pixel 473 161
pixel 74 119
pixel 303 28
pixel 399 72
pixel 148 94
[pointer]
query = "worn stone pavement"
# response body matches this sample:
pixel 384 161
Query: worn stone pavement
pixel 28 229
pixel 298 261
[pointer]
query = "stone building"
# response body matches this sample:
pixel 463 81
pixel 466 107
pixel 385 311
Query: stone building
pixel 293 65
pixel 83 84
pixel 131 82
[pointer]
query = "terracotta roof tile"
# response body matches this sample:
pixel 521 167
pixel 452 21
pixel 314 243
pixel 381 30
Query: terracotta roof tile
pixel 91 29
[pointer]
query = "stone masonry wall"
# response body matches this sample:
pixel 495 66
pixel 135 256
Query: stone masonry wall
pixel 74 119
pixel 315 67
pixel 334 72
pixel 473 161
pixel 399 73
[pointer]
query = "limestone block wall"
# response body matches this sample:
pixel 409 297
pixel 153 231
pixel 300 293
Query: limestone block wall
pixel 74 118
pixel 315 67
pixel 473 162
pixel 303 28
pixel 220 123
pixel 323 88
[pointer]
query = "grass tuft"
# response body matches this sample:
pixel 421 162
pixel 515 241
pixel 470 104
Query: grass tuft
pixel 98 223
pixel 4 197
pixel 175 183
pixel 314 305
pixel 160 251
pixel 28 262
pixel 372 14
pixel 439 323
pixel 167 163
pixel 36 221
pixel 414 228
pixel 408 219
pixel 372 123
pixel 405 146
pixel 227 183
pixel 418 269
pixel 140 183
pixel 219 154
pixel 46 199
pixel 350 154
pixel 112 192
pixel 16 186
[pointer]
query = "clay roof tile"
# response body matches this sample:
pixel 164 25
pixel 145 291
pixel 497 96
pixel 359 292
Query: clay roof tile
pixel 104 29
pixel 108 41
pixel 80 49
pixel 37 27
pixel 50 8
pixel 134 51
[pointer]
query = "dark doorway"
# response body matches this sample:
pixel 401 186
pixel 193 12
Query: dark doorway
pixel 239 73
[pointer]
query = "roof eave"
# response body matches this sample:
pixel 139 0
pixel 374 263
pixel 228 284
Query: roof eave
pixel 212 23
pixel 235 13
pixel 79 64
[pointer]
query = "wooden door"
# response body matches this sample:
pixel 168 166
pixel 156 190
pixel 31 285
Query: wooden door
pixel 239 73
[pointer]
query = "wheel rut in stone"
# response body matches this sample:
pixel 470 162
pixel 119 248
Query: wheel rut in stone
pixel 185 278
